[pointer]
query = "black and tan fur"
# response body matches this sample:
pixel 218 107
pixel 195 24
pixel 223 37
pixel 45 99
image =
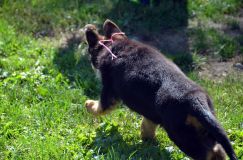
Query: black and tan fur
pixel 153 86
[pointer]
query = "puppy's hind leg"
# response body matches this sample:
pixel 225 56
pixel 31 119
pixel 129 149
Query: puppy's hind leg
pixel 217 153
pixel 148 129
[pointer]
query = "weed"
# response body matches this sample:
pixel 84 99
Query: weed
pixel 185 61
pixel 200 41
pixel 240 40
pixel 233 24
pixel 228 49
pixel 207 41
pixel 198 60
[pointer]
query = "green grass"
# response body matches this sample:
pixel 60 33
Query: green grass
pixel 214 9
pixel 43 89
pixel 209 41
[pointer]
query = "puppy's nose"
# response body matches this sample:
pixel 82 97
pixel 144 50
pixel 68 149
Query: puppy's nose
pixel 89 27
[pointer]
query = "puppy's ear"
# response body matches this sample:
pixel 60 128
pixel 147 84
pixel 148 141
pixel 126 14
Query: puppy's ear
pixel 92 36
pixel 110 28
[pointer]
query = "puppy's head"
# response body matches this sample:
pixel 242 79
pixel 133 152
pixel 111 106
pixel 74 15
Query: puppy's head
pixel 93 38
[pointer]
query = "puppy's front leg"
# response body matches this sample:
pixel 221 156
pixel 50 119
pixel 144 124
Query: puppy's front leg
pixel 104 106
pixel 93 107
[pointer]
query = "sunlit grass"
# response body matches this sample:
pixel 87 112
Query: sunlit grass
pixel 42 92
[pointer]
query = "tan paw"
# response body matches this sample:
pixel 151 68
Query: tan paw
pixel 148 129
pixel 93 107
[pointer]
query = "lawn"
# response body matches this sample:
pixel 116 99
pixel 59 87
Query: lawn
pixel 43 87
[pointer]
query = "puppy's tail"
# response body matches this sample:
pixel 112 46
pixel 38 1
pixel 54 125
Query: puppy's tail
pixel 201 111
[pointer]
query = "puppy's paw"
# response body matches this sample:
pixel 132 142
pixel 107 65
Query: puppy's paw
pixel 93 107
pixel 90 103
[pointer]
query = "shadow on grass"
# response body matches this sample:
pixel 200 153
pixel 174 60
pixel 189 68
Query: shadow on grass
pixel 136 17
pixel 74 64
pixel 110 143
pixel 162 24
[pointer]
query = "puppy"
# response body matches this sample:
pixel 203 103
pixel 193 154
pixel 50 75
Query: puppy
pixel 153 86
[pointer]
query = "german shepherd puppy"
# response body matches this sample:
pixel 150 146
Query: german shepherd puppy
pixel 153 86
